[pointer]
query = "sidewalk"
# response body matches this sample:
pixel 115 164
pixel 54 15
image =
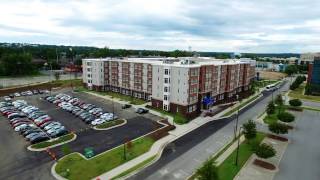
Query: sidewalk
pixel 252 172
pixel 229 151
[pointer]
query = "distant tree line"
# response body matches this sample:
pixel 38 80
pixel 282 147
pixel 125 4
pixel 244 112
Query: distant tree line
pixel 17 64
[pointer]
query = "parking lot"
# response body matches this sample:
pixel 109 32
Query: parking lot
pixel 17 162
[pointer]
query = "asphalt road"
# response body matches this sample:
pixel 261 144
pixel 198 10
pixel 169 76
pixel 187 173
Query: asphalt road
pixel 18 81
pixel 310 103
pixel 302 157
pixel 182 157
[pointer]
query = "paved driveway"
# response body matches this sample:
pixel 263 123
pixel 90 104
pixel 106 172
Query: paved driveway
pixel 311 104
pixel 302 158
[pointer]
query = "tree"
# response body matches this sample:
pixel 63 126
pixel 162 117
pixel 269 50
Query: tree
pixel 278 128
pixel 279 100
pixel 295 102
pixel 57 76
pixel 265 151
pixel 249 130
pixel 208 171
pixel 270 108
pixel 285 117
pixel 291 69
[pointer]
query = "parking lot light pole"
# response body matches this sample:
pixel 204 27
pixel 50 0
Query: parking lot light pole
pixel 112 109
pixel 238 146
pixel 237 120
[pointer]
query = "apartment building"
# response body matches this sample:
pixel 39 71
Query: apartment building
pixel 184 85
pixel 308 58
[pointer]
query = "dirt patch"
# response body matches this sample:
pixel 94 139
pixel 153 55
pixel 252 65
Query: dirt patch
pixel 277 138
pixel 272 75
pixel 264 164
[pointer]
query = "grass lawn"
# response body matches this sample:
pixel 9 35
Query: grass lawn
pixel 272 118
pixel 50 143
pixel 142 164
pixel 130 99
pixel 244 103
pixel 82 169
pixel 228 170
pixel 297 94
pixel 110 124
pixel 177 118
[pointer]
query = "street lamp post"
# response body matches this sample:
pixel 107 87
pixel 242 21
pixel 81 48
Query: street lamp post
pixel 238 146
pixel 112 108
pixel 237 120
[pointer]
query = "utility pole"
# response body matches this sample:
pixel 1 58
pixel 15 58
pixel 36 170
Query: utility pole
pixel 238 146
pixel 237 120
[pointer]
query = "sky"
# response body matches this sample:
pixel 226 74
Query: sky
pixel 257 26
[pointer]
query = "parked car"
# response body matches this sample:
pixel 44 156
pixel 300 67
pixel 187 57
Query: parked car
pixel 17 94
pixel 142 111
pixel 39 138
pixel 125 106
pixel 97 122
pixel 7 98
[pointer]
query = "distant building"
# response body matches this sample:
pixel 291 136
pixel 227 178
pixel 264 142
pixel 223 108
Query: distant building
pixel 290 60
pixel 314 76
pixel 307 58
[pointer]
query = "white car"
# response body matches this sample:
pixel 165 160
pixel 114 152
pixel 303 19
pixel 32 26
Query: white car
pixel 17 94
pixel 98 121
pixel 54 128
pixel 7 98
pixel 18 128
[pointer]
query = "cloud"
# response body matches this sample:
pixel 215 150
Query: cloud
pixel 206 25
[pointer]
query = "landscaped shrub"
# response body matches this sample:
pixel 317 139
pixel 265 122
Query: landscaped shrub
pixel 285 117
pixel 249 130
pixel 279 100
pixel 270 108
pixel 295 102
pixel 265 151
pixel 278 128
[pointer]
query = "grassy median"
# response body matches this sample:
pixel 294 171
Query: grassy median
pixel 110 124
pixel 298 94
pixel 241 105
pixel 76 167
pixel 228 170
pixel 51 143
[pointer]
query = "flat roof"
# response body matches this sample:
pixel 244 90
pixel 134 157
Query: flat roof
pixel 180 61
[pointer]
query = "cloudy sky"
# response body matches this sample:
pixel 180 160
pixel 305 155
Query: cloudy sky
pixel 206 25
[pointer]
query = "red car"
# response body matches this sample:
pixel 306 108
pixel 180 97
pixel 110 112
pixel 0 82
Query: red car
pixel 42 122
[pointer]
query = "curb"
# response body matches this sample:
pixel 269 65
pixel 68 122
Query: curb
pixel 52 146
pixel 105 129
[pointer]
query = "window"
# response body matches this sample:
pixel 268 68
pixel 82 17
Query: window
pixel 165 107
pixel 166 80
pixel 165 97
pixel 89 69
pixel 166 71
pixel 166 89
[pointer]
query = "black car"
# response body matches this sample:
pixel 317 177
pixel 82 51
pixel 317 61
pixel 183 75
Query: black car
pixel 37 139
pixel 34 130
pixel 142 111
pixel 11 95
pixel 59 133
pixel 89 119
pixel 125 106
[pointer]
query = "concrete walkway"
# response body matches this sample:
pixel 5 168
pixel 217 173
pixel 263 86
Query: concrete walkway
pixel 229 151
pixel 252 172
